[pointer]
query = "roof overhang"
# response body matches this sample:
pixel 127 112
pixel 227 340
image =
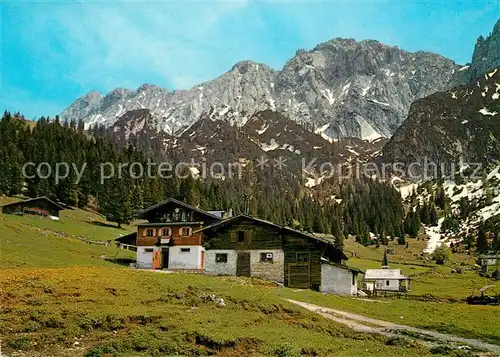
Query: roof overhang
pixel 167 224
pixel 180 203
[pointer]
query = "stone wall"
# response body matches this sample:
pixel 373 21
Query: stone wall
pixel 268 270
pixel 145 257
pixel 271 271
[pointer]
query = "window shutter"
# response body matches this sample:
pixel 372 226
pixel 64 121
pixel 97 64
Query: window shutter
pixel 233 236
pixel 249 236
pixel 144 232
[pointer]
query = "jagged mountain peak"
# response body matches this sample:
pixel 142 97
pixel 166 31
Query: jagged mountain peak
pixel 92 95
pixel 148 87
pixel 486 56
pixel 350 89
pixel 247 66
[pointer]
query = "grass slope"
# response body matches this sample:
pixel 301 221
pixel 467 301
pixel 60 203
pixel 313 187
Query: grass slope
pixel 23 245
pixel 68 301
pixel 136 313
pixel 73 222
pixel 436 300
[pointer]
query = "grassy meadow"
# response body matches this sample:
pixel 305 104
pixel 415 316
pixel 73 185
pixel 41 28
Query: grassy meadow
pixel 136 313
pixel 75 222
pixel 59 296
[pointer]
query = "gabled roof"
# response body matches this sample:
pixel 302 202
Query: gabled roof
pixel 44 198
pixel 235 218
pixel 274 225
pixel 384 274
pixel 180 203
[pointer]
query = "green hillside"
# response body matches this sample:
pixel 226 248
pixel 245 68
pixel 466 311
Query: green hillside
pixel 68 300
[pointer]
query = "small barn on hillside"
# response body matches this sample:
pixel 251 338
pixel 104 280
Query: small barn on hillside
pixel 39 206
pixel 248 246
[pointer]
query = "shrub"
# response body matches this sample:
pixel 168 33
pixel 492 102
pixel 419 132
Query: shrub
pixel 98 351
pixel 285 350
pixel 441 254
pixel 19 343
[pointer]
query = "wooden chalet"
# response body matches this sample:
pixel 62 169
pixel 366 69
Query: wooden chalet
pixel 247 246
pixel 178 236
pixel 39 206
pixel 170 238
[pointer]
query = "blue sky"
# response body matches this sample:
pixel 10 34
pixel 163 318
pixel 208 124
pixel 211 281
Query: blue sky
pixel 53 52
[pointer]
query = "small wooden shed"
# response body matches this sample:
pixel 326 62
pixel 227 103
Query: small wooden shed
pixel 39 206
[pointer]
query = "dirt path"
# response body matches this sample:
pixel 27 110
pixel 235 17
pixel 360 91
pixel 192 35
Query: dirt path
pixel 368 325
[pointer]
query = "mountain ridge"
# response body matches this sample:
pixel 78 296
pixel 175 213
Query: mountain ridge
pixel 348 88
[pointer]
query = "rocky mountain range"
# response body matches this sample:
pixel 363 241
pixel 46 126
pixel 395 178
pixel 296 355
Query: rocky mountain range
pixel 341 88
pixel 266 135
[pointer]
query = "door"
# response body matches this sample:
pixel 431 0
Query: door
pixel 165 255
pixel 299 275
pixel 156 259
pixel 243 264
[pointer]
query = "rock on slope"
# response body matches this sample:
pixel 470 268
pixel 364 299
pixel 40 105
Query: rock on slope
pixel 341 88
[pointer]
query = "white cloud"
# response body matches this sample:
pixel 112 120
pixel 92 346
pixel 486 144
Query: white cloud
pixel 131 42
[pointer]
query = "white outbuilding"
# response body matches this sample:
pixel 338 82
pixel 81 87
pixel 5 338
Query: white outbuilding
pixel 386 279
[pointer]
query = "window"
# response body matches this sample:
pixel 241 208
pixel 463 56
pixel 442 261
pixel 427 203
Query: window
pixel 166 232
pixel 221 258
pixel 148 250
pixel 150 232
pixel 185 231
pixel 185 250
pixel 387 283
pixel 266 257
pixel 240 236
pixel 302 257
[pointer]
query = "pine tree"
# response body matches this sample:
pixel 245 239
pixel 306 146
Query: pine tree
pixel 385 261
pixel 481 240
pixel 401 239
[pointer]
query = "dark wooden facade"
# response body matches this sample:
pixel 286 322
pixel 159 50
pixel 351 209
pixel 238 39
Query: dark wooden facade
pixel 174 211
pixel 176 238
pixel 255 235
pixel 40 206
pixel 302 251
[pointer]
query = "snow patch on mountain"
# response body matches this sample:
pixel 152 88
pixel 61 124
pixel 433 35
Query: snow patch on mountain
pixel 273 145
pixel 485 111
